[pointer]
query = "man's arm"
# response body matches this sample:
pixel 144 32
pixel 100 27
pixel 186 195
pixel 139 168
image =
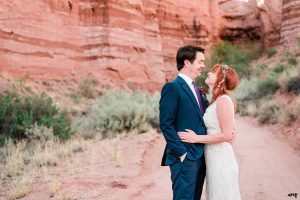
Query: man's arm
pixel 168 109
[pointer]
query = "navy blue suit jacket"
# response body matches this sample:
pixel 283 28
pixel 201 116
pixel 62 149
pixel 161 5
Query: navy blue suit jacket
pixel 179 110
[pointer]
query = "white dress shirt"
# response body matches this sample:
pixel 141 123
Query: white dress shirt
pixel 189 81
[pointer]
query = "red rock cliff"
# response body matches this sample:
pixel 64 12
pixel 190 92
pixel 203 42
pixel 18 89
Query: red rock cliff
pixel 290 30
pixel 130 42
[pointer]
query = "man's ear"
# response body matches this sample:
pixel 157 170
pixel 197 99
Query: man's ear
pixel 187 62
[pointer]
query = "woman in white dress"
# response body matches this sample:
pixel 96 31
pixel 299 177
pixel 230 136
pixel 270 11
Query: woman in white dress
pixel 221 166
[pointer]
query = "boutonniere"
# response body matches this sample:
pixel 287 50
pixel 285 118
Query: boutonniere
pixel 203 92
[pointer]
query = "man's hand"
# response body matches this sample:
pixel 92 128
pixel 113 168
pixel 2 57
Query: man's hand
pixel 182 157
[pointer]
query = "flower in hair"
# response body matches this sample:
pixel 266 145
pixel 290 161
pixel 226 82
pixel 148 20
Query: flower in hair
pixel 224 70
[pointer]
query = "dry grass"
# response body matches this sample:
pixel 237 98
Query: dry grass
pixel 21 186
pixel 15 159
pixel 24 159
pixel 112 149
pixel 56 190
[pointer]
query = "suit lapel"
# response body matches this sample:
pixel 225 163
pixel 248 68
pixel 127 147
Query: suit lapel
pixel 191 95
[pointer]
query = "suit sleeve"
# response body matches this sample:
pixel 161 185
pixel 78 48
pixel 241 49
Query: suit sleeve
pixel 167 115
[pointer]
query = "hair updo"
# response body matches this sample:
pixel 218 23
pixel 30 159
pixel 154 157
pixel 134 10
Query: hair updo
pixel 227 80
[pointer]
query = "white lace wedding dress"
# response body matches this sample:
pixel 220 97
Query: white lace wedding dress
pixel 221 167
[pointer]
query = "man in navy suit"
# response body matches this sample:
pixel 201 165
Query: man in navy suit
pixel 182 106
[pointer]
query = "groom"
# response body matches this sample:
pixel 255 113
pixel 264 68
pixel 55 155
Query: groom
pixel 182 106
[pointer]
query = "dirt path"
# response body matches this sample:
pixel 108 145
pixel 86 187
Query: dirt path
pixel 269 168
pixel 129 168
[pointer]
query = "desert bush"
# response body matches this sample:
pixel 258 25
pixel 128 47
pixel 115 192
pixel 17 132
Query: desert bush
pixel 247 109
pixel 19 113
pixel 291 58
pixel 271 52
pixel 36 132
pixel 75 97
pixel 245 95
pixel 291 113
pixel 238 57
pixel 120 111
pixel 267 87
pixel 270 112
pixel 258 70
pixel 286 75
pixel 281 67
pixel 246 90
pixel 87 87
pixel 293 85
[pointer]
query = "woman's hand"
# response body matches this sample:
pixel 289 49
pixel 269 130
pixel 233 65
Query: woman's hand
pixel 188 136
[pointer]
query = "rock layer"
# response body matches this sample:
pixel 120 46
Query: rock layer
pixel 129 43
pixel 290 27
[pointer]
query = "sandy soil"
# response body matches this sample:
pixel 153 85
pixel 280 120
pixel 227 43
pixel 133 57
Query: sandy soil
pixel 129 168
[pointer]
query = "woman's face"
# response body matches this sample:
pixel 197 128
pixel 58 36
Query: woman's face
pixel 211 79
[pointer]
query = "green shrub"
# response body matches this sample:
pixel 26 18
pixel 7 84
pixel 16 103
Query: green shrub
pixel 286 75
pixel 238 57
pixel 293 85
pixel 291 58
pixel 18 114
pixel 257 70
pixel 298 42
pixel 75 97
pixel 120 111
pixel 267 87
pixel 246 89
pixel 271 52
pixel 281 67
pixel 291 113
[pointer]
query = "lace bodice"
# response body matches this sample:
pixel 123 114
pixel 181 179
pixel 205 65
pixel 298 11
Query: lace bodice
pixel 211 118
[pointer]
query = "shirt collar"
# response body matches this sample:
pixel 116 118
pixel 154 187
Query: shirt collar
pixel 186 78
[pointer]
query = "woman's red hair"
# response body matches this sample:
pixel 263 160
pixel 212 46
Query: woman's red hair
pixel 227 80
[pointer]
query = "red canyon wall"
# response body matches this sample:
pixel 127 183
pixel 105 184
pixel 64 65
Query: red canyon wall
pixel 130 42
pixel 290 29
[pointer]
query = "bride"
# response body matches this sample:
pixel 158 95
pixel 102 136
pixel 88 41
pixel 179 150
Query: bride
pixel 221 166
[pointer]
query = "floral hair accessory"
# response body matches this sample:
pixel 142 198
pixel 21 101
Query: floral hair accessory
pixel 224 70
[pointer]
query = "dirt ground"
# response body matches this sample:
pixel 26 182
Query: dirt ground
pixel 129 168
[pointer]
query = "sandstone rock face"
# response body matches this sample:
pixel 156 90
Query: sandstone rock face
pixel 41 38
pixel 241 21
pixel 290 31
pixel 129 43
pixel 270 16
pixel 253 20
